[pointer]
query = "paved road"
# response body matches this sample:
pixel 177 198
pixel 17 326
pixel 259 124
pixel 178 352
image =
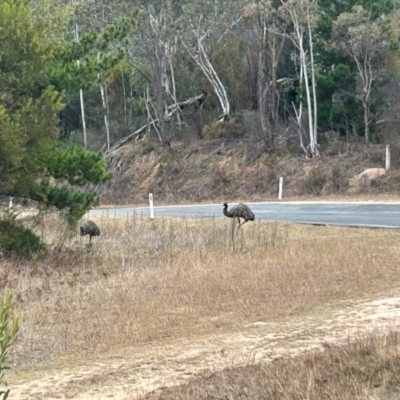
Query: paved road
pixel 376 215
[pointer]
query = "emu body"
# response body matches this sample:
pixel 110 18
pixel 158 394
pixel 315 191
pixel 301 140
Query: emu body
pixel 91 229
pixel 239 211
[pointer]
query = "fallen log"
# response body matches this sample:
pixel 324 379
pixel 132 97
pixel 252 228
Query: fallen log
pixel 169 112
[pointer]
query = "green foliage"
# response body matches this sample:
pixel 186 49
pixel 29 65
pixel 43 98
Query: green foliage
pixel 67 168
pixel 9 326
pixel 83 64
pixel 72 203
pixel 29 104
pixel 16 239
pixel 231 129
pixel 77 166
pixel 33 164
pixel 315 181
pixel 338 107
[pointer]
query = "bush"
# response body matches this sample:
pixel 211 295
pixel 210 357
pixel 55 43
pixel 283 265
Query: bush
pixel 315 181
pixel 338 180
pixel 151 143
pixel 233 128
pixel 15 238
pixel 9 325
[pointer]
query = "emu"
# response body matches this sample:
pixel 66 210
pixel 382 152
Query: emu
pixel 91 229
pixel 239 211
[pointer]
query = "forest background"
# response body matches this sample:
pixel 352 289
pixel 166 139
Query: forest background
pixel 235 92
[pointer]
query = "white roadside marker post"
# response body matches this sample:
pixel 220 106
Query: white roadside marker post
pixel 151 206
pixel 280 188
pixel 387 157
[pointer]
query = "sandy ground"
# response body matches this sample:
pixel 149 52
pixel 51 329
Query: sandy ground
pixel 128 372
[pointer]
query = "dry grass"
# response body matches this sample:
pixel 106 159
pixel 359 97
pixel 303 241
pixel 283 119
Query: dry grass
pixel 367 368
pixel 143 281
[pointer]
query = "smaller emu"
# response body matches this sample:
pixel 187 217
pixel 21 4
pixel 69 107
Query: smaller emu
pixel 239 211
pixel 91 229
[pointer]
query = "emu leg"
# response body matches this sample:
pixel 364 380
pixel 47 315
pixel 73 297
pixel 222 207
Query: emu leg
pixel 233 233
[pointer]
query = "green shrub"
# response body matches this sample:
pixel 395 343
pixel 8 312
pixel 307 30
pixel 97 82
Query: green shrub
pixel 9 325
pixel 15 238
pixel 315 181
pixel 233 128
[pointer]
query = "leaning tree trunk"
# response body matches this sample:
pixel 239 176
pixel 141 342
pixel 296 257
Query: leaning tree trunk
pixel 203 61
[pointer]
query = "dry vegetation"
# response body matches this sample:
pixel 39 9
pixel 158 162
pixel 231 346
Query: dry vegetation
pixel 217 170
pixel 143 282
pixel 368 368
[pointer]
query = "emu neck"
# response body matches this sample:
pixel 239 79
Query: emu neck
pixel 227 213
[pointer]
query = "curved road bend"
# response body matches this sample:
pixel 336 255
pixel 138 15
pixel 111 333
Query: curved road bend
pixel 373 215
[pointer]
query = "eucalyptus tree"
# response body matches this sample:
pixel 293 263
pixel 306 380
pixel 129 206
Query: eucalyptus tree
pixel 269 28
pixel 367 42
pixel 303 14
pixel 339 106
pixel 204 27
pixel 151 54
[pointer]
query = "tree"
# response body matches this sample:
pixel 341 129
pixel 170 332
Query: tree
pixel 90 57
pixel 151 54
pixel 270 28
pixel 367 43
pixel 29 104
pixel 338 107
pixel 302 14
pixel 204 27
pixel 33 163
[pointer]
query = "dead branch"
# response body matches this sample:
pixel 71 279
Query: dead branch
pixel 169 112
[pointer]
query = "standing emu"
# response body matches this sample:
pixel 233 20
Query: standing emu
pixel 239 211
pixel 91 229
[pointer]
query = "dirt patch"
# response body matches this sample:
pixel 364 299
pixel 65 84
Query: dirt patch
pixel 130 372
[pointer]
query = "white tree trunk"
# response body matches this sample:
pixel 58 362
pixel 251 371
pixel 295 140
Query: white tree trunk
pixel 105 108
pixel 173 94
pixel 83 118
pixel 298 41
pixel 367 78
pixel 313 84
pixel 303 62
pixel 204 63
pixel 81 97
pixel 299 116
pixel 262 82
pixel 105 111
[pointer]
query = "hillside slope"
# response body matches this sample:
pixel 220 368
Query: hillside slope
pixel 220 170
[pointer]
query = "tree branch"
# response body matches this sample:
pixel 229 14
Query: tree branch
pixel 169 112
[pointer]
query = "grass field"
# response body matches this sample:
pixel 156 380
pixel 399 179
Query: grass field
pixel 144 283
